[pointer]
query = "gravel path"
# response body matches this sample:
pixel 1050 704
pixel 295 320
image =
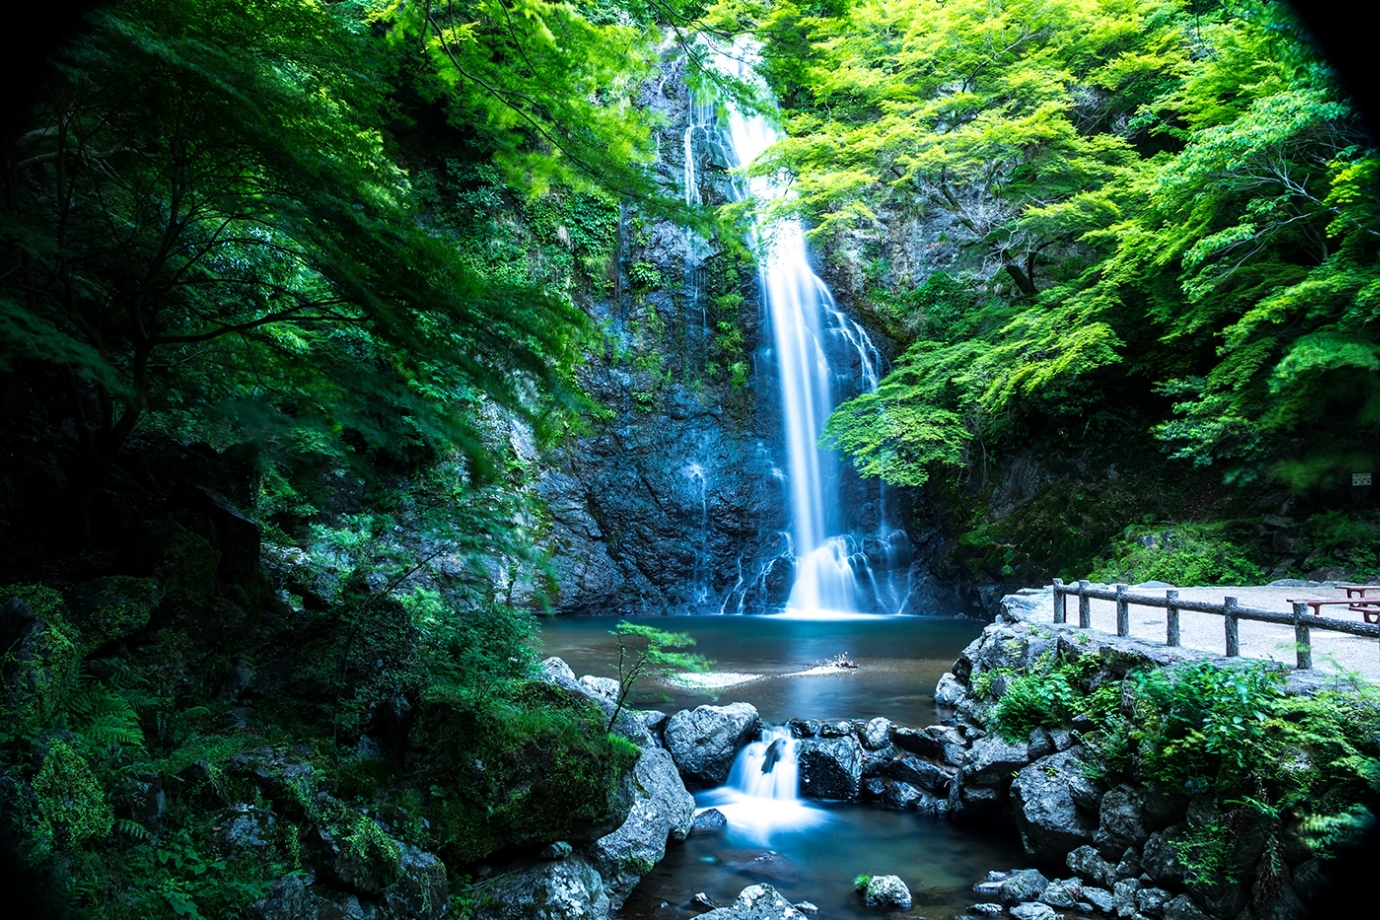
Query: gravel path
pixel 1332 651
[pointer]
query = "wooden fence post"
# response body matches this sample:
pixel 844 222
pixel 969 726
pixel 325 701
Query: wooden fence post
pixel 1302 639
pixel 1060 602
pixel 1123 612
pixel 1084 610
pixel 1233 628
pixel 1172 616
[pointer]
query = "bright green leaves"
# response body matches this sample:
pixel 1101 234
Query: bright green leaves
pixel 1187 197
pixel 550 87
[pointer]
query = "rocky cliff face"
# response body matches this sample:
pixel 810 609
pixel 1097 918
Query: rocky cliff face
pixel 675 500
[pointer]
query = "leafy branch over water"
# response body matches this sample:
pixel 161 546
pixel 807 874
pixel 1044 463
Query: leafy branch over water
pixel 646 650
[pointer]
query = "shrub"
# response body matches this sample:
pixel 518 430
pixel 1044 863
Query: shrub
pixel 1194 555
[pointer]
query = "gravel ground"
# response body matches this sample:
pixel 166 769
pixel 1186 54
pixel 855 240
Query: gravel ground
pixel 1332 651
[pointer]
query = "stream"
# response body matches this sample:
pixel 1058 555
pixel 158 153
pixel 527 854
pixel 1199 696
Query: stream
pixel 807 849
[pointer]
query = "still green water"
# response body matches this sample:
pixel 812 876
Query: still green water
pixel 899 658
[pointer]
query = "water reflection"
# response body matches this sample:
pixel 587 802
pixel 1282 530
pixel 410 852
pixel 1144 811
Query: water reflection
pixel 900 659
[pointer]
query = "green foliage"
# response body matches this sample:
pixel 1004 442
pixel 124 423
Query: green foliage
pixel 71 802
pixel 647 651
pixel 1157 219
pixel 1189 555
pixel 1047 695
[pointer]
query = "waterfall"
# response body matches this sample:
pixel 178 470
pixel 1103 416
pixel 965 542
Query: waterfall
pixel 807 328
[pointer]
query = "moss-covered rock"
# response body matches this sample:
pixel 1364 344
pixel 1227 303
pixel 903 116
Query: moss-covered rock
pixel 109 609
pixel 39 659
pixel 71 802
pixel 522 771
pixel 187 569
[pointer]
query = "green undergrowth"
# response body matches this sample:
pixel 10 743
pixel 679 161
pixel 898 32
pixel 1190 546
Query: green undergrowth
pixel 142 789
pixel 1259 759
pixel 1203 554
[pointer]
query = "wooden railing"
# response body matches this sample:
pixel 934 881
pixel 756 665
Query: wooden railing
pixel 1231 612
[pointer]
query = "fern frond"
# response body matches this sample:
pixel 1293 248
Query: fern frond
pixel 101 717
pixel 132 829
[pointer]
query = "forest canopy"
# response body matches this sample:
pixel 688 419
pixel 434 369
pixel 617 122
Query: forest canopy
pixel 1158 219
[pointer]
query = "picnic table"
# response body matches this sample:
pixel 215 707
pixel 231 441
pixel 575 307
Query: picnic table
pixel 1356 600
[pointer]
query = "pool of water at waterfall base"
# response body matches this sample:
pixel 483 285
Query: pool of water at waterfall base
pixel 817 859
pixel 809 850
pixel 899 659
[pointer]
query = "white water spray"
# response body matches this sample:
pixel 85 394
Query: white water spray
pixel 762 794
pixel 805 319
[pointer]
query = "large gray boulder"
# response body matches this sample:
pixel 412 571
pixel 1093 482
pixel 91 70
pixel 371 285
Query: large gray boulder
pixel 1050 823
pixel 993 758
pixel 830 768
pixel 661 809
pixel 704 740
pixel 923 774
pixel 570 889
pixel 1089 865
pixel 887 892
pixel 1122 822
pixel 757 902
pixel 1023 885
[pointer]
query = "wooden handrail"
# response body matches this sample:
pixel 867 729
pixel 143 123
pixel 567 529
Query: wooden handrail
pixel 1231 613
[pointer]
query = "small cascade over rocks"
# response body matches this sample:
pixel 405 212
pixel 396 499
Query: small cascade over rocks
pixel 762 797
pixel 767 768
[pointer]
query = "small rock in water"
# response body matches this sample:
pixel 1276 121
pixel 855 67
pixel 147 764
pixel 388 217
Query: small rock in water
pixel 805 907
pixel 987 889
pixel 709 821
pixel 1033 910
pixel 994 876
pixel 704 901
pixel 986 910
pixel 887 891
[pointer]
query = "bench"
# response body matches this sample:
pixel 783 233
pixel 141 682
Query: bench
pixel 1368 607
pixel 1358 590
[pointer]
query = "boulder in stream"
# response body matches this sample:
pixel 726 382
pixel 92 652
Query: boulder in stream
pixel 705 740
pixel 757 902
pixel 830 768
pixel 661 809
pixel 921 773
pixel 887 892
pixel 709 821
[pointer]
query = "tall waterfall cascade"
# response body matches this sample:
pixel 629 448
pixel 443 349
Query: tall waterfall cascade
pixel 822 356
